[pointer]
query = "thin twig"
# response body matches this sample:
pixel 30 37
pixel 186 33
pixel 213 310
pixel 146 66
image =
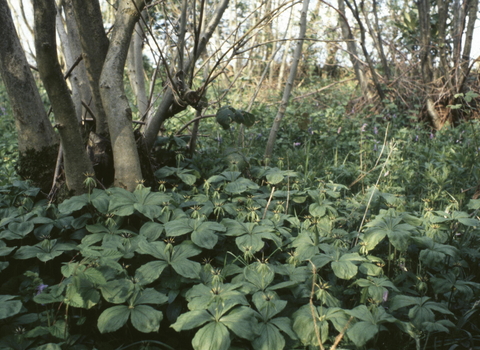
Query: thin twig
pixel 268 203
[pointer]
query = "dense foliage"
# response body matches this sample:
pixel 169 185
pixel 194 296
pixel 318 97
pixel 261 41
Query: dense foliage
pixel 361 234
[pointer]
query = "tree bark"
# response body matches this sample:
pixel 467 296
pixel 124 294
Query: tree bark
pixel 289 85
pixel 79 74
pixel 76 161
pixel 136 73
pixel 352 51
pixel 119 115
pixel 94 46
pixel 33 127
pixel 426 61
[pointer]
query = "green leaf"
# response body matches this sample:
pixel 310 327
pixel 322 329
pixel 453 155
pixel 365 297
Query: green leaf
pixel 151 231
pixel 270 338
pixel 361 332
pixel 9 307
pixel 178 227
pixel 259 274
pixel 192 319
pixel 224 116
pixel 149 296
pixel 117 291
pixel 113 318
pixel 150 272
pixel 73 204
pixel 213 336
pixel 145 318
pixel 241 321
pixel 188 179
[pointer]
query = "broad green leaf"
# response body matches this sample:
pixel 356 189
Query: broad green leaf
pixel 188 179
pixel 113 318
pixel 285 325
pixel 149 296
pixel 361 332
pixel 268 304
pixel 192 319
pixel 145 318
pixel 259 274
pixel 150 272
pixel 241 321
pixel 213 336
pixel 117 291
pixel 9 307
pixel 270 338
pixel 178 227
pixel 4 250
pixel 241 185
pixel 73 204
pixel 151 231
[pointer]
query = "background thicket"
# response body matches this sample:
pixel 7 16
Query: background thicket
pixel 239 175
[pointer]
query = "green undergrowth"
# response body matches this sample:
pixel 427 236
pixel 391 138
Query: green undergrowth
pixel 359 234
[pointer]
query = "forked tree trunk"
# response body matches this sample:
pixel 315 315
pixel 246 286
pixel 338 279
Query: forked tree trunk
pixel 76 161
pixel 119 115
pixel 289 85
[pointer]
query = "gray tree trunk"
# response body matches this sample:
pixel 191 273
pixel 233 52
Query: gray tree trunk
pixel 33 127
pixel 76 161
pixel 94 46
pixel 352 51
pixel 136 74
pixel 79 74
pixel 289 85
pixel 115 102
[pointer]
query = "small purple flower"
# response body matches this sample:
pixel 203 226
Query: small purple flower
pixel 375 147
pixel 431 136
pixel 416 138
pixel 375 130
pixel 2 110
pixel 362 129
pixel 259 136
pixel 40 288
pixel 295 144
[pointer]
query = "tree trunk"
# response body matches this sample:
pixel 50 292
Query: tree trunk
pixel 136 74
pixel 426 61
pixel 37 142
pixel 94 46
pixel 289 85
pixel 33 127
pixel 76 161
pixel 119 115
pixel 79 74
pixel 352 51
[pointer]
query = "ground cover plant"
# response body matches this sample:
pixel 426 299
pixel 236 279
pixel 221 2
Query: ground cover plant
pixel 361 234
